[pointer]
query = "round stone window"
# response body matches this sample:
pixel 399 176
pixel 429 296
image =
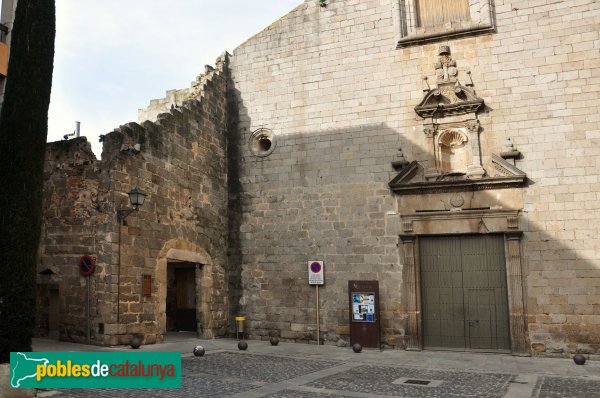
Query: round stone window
pixel 262 142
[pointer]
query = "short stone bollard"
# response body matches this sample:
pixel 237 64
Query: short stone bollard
pixel 242 345
pixel 579 359
pixel 136 341
pixel 356 347
pixel 199 351
pixel 274 340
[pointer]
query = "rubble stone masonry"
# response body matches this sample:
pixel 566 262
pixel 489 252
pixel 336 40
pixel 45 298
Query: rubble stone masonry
pixel 182 166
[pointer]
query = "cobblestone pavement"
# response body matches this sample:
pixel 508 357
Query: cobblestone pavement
pixel 398 381
pixel 555 387
pixel 303 371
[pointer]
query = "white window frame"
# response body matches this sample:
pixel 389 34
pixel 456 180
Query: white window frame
pixel 408 33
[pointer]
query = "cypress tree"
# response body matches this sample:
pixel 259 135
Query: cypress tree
pixel 23 131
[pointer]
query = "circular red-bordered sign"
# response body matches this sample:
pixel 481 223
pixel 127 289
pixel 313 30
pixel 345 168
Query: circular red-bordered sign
pixel 87 264
pixel 315 267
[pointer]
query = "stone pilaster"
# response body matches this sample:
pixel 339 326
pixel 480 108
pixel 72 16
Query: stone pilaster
pixel 515 294
pixel 432 172
pixel 411 286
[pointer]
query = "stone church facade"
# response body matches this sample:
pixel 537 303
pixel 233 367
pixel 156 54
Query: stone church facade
pixel 449 150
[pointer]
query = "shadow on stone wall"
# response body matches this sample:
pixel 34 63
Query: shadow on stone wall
pixel 324 195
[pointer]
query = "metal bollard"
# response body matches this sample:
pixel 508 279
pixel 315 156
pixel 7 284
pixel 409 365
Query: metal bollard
pixel 239 325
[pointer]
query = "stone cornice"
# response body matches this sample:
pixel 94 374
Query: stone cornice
pixel 449 99
pixel 426 187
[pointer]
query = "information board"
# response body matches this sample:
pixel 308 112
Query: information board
pixel 363 307
pixel 363 297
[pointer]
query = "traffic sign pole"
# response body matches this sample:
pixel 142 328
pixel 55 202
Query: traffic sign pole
pixel 318 320
pixel 316 277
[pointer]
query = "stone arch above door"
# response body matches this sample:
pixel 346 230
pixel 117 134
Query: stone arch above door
pixel 183 250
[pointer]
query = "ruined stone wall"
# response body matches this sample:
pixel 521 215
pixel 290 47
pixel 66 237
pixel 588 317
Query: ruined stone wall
pixel 181 164
pixel 69 230
pixel 339 98
pixel 174 98
pixel 163 105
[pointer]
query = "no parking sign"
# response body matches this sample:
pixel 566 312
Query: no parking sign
pixel 87 265
pixel 316 273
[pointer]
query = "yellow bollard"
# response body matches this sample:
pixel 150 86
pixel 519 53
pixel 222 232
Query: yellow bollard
pixel 239 324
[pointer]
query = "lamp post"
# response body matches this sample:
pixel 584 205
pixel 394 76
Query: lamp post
pixel 136 198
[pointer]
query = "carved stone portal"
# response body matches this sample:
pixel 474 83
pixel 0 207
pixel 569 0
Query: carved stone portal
pixel 453 193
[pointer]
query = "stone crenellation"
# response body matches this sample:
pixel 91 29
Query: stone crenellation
pixel 180 162
pixel 176 98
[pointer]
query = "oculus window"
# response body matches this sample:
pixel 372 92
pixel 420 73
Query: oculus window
pixel 262 142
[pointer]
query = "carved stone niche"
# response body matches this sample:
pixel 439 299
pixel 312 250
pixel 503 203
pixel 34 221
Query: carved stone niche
pixel 451 126
pixel 455 151
pixel 452 134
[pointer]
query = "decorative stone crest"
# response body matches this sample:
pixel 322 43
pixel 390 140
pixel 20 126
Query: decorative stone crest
pixel 450 97
pixel 445 68
pixel 457 201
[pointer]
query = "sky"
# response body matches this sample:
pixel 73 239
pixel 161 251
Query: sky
pixel 113 56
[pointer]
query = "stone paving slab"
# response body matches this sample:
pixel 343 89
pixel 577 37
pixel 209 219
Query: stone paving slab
pixel 391 381
pixel 199 385
pixel 559 387
pixel 305 394
pixel 266 368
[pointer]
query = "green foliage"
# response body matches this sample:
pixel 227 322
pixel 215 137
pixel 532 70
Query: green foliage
pixel 23 131
pixel 323 3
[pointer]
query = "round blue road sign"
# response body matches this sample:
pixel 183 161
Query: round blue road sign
pixel 315 267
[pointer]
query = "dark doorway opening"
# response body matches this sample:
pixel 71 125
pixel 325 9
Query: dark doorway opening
pixel 181 296
pixel 48 313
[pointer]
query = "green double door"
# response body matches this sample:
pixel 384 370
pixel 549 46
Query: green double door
pixel 463 293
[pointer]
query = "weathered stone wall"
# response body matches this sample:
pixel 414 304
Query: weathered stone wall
pixel 157 106
pixel 174 98
pixel 72 216
pixel 182 166
pixel 340 98
pixel 315 81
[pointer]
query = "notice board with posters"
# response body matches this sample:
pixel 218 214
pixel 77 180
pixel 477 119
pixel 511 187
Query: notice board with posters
pixel 365 326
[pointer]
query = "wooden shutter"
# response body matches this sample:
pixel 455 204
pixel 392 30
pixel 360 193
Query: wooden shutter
pixel 147 285
pixel 438 12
